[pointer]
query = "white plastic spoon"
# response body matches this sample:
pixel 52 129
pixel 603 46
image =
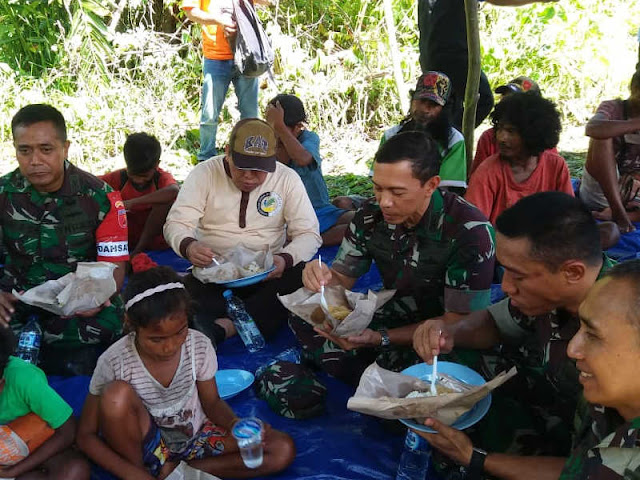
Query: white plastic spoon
pixel 323 301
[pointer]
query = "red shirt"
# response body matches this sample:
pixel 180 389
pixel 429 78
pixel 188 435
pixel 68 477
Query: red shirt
pixel 493 189
pixel 137 215
pixel 487 146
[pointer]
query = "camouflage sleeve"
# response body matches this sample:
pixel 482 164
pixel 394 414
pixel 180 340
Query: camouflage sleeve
pixel 470 269
pixel 510 322
pixel 616 457
pixel 353 259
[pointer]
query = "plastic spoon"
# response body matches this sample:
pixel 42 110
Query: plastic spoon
pixel 214 262
pixel 323 301
pixel 434 371
pixel 434 376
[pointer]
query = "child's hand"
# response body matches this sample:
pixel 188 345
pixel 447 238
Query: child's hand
pixel 274 115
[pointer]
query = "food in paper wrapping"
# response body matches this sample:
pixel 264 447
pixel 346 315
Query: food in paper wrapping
pixel 361 307
pixel 383 393
pixel 87 288
pixel 185 472
pixel 237 263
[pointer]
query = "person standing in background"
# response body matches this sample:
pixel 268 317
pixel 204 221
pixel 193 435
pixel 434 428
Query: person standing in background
pixel 218 32
pixel 443 47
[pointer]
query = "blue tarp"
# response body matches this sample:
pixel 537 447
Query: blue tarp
pixel 338 445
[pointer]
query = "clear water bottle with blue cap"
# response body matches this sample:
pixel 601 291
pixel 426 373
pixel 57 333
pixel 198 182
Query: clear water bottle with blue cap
pixel 415 459
pixel 246 327
pixel 29 341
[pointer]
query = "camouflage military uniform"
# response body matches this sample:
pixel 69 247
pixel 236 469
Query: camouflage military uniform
pixel 46 234
pixel 542 398
pixel 443 264
pixel 607 448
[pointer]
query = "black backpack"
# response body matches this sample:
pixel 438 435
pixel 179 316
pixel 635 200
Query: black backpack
pixel 253 53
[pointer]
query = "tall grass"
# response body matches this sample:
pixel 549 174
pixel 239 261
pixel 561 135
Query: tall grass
pixel 331 53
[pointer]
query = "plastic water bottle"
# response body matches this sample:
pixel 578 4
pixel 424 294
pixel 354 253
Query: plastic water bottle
pixel 247 328
pixel 415 459
pixel 29 341
pixel 289 355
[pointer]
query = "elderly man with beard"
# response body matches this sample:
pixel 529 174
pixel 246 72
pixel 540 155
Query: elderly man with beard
pixel 430 112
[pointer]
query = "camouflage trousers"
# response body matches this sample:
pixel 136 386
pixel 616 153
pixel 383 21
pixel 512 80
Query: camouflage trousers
pixel 347 366
pixel 73 332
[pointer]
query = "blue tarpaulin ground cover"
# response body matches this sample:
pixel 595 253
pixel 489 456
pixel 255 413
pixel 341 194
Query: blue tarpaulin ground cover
pixel 338 445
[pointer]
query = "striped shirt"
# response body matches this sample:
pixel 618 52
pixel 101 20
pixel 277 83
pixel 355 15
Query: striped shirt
pixel 176 409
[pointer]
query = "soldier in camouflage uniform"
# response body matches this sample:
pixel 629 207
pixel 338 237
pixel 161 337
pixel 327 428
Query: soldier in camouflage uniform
pixel 607 354
pixel 54 215
pixel 549 246
pixel 430 245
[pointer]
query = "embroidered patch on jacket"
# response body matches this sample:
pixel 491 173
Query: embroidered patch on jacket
pixel 269 203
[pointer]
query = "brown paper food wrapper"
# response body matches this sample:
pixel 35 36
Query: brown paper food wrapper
pixel 237 263
pixel 186 472
pixel 306 304
pixel 382 393
pixel 87 288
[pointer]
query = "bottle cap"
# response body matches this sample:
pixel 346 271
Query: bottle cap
pixel 227 293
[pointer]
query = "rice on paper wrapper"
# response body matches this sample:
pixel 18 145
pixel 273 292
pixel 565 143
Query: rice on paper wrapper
pixel 87 288
pixel 306 305
pixel 237 263
pixel 382 393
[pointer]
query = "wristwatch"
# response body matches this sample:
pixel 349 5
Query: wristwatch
pixel 384 337
pixel 476 466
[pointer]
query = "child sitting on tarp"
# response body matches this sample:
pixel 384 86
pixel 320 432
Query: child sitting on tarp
pixel 37 428
pixel 299 149
pixel 153 399
pixel 147 190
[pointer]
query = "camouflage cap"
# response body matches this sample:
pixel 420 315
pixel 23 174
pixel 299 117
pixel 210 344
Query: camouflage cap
pixel 292 390
pixel 434 86
pixel 519 84
pixel 253 145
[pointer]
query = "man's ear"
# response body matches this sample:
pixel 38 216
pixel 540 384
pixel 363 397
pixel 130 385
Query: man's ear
pixel 573 270
pixel 432 184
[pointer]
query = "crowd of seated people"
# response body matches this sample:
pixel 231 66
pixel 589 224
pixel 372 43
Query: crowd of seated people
pixel 437 236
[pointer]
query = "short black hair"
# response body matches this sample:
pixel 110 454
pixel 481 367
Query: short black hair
pixel 558 226
pixel 7 347
pixel 294 112
pixel 629 272
pixel 141 152
pixel 536 119
pixel 39 112
pixel 418 148
pixel 160 305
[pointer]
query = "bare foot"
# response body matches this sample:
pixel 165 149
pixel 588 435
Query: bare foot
pixel 229 327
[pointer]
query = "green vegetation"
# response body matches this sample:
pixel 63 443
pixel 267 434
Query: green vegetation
pixel 349 184
pixel 130 65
